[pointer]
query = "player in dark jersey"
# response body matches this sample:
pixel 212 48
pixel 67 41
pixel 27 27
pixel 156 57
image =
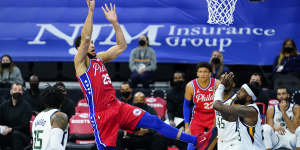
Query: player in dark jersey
pixel 107 113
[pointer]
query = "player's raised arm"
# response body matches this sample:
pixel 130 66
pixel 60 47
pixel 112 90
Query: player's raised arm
pixel 218 98
pixel 114 51
pixel 86 35
pixel 246 112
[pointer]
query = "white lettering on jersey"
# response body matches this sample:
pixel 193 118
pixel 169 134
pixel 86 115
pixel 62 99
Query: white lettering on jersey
pixel 203 98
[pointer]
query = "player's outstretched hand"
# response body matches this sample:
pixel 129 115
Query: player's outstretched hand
pixel 91 5
pixel 226 78
pixel 110 13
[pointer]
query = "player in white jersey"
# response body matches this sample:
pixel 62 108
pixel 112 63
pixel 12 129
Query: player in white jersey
pixel 228 135
pixel 246 113
pixel 283 124
pixel 50 127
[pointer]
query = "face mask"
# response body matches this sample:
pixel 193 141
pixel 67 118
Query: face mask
pixel 178 84
pixel 91 56
pixel 216 61
pixel 125 94
pixel 17 96
pixel 288 49
pixel 5 65
pixel 142 42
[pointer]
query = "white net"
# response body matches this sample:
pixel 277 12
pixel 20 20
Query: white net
pixel 220 11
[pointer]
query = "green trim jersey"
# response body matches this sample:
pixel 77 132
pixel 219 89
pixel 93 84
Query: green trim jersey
pixel 228 135
pixel 41 130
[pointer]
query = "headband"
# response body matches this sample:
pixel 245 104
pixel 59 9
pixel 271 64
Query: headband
pixel 249 91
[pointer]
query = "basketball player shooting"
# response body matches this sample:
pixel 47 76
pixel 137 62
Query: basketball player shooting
pixel 107 113
pixel 246 114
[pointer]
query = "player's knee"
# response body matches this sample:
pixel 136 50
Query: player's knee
pixel 267 128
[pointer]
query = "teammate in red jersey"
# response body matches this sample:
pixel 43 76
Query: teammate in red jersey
pixel 201 92
pixel 107 113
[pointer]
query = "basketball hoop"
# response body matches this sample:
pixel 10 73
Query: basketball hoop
pixel 220 11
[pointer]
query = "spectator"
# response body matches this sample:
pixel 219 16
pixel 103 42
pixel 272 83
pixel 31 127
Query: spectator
pixel 126 93
pixel 288 58
pixel 175 103
pixel 217 65
pixel 68 106
pixel 9 73
pixel 263 95
pixel 32 95
pixel 142 138
pixel 175 97
pixel 282 129
pixel 15 115
pixel 142 63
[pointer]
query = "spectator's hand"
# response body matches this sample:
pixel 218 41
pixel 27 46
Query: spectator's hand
pixel 172 123
pixel 280 130
pixel 141 71
pixel 91 5
pixel 187 130
pixel 110 14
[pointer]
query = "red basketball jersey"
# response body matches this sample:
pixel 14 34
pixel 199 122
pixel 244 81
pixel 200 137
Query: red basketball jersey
pixel 203 97
pixel 96 85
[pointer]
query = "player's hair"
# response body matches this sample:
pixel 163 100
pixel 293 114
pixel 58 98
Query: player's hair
pixel 204 65
pixel 77 41
pixel 52 97
pixel 282 87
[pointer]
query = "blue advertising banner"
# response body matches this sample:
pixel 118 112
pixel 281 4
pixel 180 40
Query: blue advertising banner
pixel 44 30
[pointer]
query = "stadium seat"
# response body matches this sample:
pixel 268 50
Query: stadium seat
pixel 162 93
pixel 81 133
pixel 273 102
pixel 82 106
pixel 159 104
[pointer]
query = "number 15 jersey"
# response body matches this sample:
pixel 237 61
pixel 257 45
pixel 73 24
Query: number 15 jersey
pixel 41 130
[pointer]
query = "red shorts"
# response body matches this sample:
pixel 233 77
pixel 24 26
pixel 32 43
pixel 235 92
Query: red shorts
pixel 201 121
pixel 118 116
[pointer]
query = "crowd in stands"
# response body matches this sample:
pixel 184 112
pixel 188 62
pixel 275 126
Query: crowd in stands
pixel 20 103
